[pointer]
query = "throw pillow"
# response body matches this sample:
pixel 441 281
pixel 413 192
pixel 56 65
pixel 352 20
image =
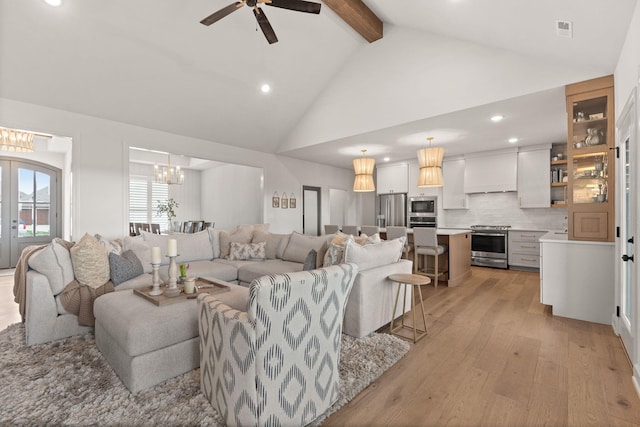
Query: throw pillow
pixel 373 255
pixel 90 262
pixel 276 243
pixel 124 267
pixel 310 261
pixel 363 239
pixel 299 246
pixel 114 246
pixel 214 237
pixel 142 250
pixel 54 261
pixel 239 236
pixel 247 251
pixel 252 227
pixel 335 252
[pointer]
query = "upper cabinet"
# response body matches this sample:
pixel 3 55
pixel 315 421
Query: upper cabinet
pixel 534 189
pixel 491 172
pixel 453 194
pixel 590 162
pixel 392 178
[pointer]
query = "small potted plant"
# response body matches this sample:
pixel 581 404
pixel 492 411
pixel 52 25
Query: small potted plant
pixel 183 271
pixel 168 208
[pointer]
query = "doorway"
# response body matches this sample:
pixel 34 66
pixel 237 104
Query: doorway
pixel 29 206
pixel 626 288
pixel 311 208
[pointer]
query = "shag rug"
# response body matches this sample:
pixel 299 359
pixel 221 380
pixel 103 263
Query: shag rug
pixel 69 382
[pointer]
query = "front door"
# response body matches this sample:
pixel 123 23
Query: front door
pixel 627 291
pixel 29 206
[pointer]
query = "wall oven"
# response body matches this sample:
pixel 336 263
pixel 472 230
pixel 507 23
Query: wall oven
pixel 489 245
pixel 422 212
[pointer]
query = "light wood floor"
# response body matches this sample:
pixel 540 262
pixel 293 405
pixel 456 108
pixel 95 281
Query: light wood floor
pixel 494 356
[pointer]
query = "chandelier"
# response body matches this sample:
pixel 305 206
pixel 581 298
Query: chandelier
pixel 16 140
pixel 167 174
pixel 363 168
pixel 430 162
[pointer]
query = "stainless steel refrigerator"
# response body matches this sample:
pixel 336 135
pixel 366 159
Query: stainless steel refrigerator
pixel 392 209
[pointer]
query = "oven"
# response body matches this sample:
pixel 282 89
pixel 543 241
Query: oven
pixel 489 245
pixel 422 212
pixel 423 221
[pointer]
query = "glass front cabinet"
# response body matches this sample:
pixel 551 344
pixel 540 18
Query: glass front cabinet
pixel 590 160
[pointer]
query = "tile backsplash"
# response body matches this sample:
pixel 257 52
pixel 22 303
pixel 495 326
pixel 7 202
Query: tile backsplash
pixel 503 209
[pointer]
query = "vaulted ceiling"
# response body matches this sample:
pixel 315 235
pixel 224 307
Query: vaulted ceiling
pixel 441 68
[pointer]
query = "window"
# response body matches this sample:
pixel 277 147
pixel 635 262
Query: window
pixel 144 196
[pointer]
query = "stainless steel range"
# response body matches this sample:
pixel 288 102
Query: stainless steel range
pixel 489 245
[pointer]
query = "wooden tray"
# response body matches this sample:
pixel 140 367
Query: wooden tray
pixel 208 286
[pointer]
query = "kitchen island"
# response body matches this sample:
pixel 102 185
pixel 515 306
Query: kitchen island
pixel 457 259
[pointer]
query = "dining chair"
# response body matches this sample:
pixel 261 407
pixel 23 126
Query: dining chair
pixel 350 229
pixel 369 230
pixel 208 225
pixel 331 229
pixel 197 226
pixel 155 228
pixel 395 232
pixel 187 226
pixel 425 244
pixel 132 229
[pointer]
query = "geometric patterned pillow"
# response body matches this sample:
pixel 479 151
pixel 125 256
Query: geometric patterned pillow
pixel 247 251
pixel 124 267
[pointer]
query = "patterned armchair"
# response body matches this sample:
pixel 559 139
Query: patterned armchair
pixel 276 363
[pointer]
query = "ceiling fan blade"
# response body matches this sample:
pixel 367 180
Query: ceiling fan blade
pixel 297 5
pixel 216 16
pixel 265 26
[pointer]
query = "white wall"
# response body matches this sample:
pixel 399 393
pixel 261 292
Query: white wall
pixel 232 195
pixel 627 73
pixel 100 166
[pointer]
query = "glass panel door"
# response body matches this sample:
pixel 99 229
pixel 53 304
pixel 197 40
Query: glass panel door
pixel 5 214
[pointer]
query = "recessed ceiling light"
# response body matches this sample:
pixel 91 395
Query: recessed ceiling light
pixel 54 3
pixel 513 140
pixel 386 159
pixel 265 88
pixel 497 118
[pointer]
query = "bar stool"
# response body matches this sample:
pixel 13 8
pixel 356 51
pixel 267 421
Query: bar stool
pixel 397 232
pixel 350 229
pixel 425 243
pixel 330 229
pixel 415 281
pixel 369 230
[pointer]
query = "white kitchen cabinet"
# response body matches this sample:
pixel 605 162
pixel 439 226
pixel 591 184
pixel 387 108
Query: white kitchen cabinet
pixel 524 248
pixel 414 190
pixel 576 278
pixel 392 178
pixel 534 181
pixel 453 195
pixel 490 172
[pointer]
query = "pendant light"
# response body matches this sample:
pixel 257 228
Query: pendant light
pixel 430 162
pixel 363 168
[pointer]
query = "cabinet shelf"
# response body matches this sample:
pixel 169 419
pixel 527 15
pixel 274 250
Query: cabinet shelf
pixel 558 162
pixel 558 184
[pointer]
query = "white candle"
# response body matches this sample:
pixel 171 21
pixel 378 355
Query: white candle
pixel 172 247
pixel 156 255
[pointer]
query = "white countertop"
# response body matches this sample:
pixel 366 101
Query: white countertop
pixel 440 231
pixel 560 237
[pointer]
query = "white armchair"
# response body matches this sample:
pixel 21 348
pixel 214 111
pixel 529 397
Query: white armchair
pixel 276 363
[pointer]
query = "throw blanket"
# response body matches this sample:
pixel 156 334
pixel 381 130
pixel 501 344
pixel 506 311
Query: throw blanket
pixel 78 299
pixel 20 277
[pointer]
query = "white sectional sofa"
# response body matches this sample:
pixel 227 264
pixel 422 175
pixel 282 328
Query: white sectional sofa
pixel 207 255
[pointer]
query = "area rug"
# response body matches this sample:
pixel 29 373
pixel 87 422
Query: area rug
pixel 69 382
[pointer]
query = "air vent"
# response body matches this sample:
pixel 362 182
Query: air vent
pixel 564 28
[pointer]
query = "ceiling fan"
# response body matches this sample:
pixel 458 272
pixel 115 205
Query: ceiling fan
pixel 265 26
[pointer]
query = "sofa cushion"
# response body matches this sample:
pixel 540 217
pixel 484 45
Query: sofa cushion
pixel 240 236
pixel 214 236
pixel 251 271
pixel 191 246
pixel 54 261
pixel 299 246
pixel 90 262
pixel 252 228
pixel 276 243
pixel 142 250
pixel 247 251
pixel 124 267
pixel 373 255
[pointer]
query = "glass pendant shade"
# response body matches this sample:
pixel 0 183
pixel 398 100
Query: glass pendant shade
pixel 16 141
pixel 430 162
pixel 363 168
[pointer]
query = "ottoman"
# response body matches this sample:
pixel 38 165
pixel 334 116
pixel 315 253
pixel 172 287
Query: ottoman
pixel 147 344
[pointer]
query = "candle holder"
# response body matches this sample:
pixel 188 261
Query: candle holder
pixel 155 291
pixel 172 289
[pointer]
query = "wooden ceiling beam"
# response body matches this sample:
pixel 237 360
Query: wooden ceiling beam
pixel 359 17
